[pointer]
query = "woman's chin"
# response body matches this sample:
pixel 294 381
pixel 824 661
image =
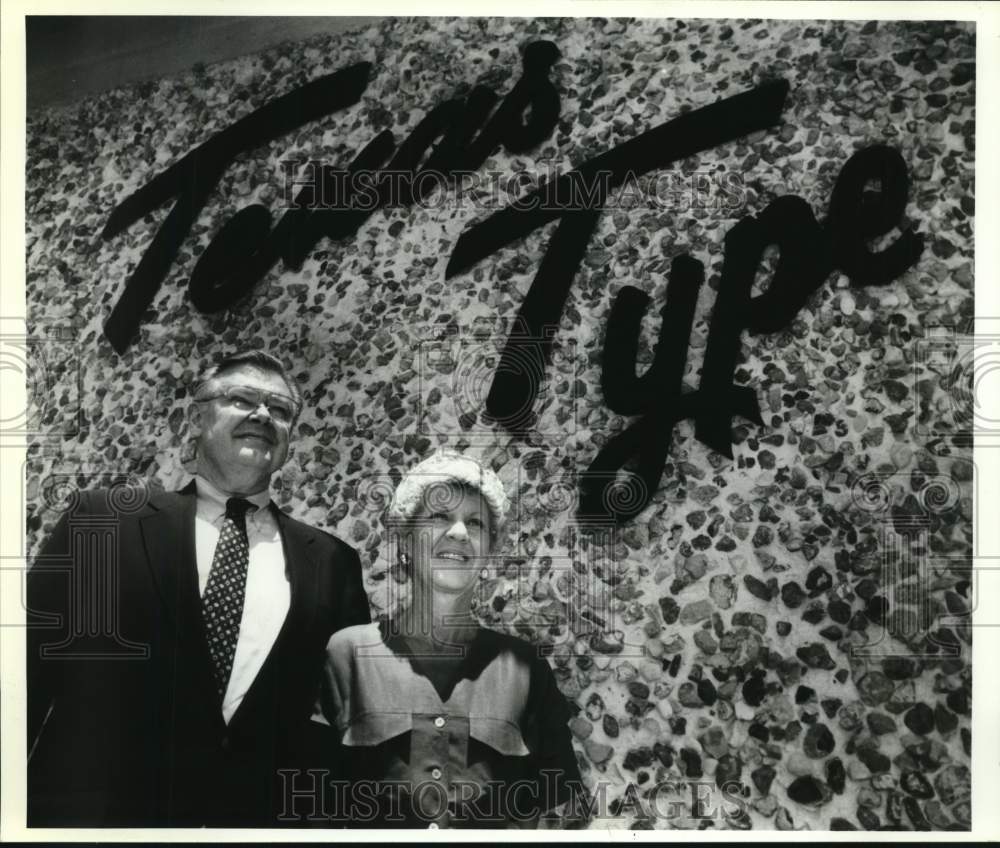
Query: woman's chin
pixel 448 585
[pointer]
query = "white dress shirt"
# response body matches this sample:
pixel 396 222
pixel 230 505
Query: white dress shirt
pixel 267 591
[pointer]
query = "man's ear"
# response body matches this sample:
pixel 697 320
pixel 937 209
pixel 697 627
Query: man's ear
pixel 189 447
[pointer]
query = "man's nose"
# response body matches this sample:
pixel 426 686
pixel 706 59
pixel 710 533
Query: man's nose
pixel 262 411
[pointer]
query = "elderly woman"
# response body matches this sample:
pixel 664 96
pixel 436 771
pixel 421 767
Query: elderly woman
pixel 442 722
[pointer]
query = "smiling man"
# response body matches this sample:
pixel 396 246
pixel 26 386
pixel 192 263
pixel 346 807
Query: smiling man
pixel 187 711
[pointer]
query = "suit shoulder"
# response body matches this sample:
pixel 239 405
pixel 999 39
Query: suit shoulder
pixel 320 535
pixel 121 500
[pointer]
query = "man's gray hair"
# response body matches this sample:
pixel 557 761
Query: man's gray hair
pixel 256 359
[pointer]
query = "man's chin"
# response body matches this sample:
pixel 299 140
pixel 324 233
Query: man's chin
pixel 252 467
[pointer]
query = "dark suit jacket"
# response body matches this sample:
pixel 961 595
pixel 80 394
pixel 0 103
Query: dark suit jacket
pixel 124 722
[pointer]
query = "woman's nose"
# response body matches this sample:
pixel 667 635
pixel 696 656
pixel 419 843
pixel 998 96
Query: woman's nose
pixel 458 530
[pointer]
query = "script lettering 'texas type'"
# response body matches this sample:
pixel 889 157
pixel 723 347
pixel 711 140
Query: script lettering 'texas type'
pixel 458 135
pixel 246 248
pixel 808 255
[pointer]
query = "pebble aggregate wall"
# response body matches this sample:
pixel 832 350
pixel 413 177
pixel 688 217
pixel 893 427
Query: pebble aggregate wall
pixel 748 627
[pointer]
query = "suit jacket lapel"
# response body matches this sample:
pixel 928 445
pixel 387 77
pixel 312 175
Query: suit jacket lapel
pixel 169 537
pixel 301 568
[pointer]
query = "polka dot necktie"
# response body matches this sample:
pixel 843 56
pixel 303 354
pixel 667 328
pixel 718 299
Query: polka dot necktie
pixel 222 603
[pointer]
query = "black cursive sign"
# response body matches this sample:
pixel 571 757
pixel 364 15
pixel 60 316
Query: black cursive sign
pixel 246 247
pixel 457 136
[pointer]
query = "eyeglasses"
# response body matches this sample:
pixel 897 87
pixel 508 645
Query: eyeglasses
pixel 281 408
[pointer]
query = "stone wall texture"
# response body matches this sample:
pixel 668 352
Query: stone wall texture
pixel 786 626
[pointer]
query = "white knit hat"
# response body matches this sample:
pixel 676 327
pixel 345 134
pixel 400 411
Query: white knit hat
pixel 441 468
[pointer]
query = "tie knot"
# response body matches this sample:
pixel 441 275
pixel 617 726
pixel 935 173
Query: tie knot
pixel 237 508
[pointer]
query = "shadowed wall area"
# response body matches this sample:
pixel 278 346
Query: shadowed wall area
pixel 71 57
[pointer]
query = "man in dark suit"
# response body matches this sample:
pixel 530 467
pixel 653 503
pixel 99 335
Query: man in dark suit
pixel 175 640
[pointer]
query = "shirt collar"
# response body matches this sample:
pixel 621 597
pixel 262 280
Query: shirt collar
pixel 484 647
pixel 213 500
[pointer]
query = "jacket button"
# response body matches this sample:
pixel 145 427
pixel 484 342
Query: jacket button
pixel 436 773
pixel 439 721
pixel 433 826
pixel 226 744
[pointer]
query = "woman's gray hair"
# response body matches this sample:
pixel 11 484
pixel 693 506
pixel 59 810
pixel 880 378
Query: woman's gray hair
pixel 428 483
